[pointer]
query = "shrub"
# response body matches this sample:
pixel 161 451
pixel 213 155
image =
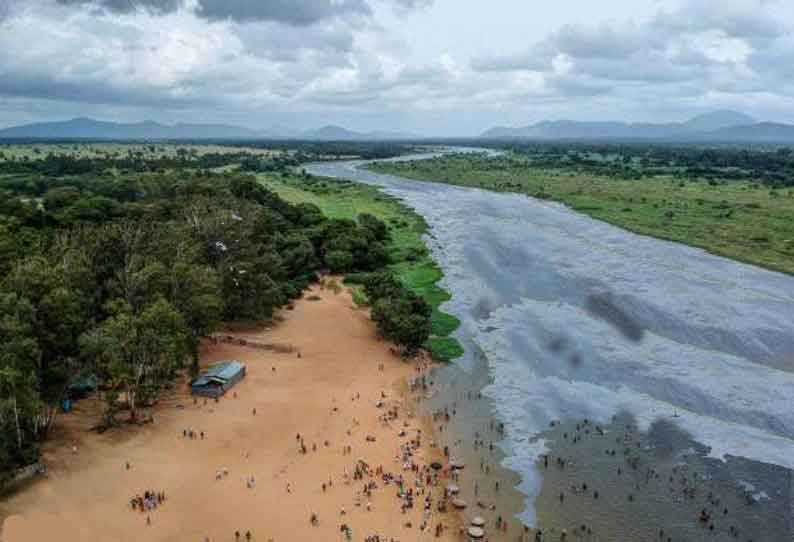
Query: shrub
pixel 339 261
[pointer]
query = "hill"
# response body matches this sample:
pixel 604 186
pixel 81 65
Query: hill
pixel 86 128
pixel 337 133
pixel 761 132
pixel 717 120
pixel 717 126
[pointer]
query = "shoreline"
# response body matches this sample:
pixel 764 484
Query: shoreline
pixel 454 381
pixel 323 394
pixel 413 261
pixel 639 509
pixel 382 167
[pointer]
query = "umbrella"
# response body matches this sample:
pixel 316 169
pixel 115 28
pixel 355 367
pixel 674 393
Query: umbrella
pixel 459 503
pixel 478 521
pixel 452 489
pixel 435 465
pixel 457 464
pixel 476 532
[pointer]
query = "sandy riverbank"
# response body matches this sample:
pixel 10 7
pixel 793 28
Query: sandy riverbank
pixel 327 395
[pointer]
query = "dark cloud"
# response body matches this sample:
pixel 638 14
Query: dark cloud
pixel 127 6
pixel 294 12
pixel 47 88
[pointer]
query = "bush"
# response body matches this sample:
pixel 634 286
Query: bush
pixel 444 348
pixel 356 278
pixel 339 261
pixel 400 314
pixel 375 227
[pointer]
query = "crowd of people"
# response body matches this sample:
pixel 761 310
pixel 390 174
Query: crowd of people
pixel 147 503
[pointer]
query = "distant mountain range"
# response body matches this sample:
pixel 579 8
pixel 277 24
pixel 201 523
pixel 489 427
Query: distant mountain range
pixel 715 126
pixel 85 128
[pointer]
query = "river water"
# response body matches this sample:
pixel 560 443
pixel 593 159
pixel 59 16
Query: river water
pixel 572 318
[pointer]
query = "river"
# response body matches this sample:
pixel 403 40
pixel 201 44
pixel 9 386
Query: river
pixel 575 318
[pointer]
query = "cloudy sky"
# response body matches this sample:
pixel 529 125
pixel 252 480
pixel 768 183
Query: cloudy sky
pixel 435 67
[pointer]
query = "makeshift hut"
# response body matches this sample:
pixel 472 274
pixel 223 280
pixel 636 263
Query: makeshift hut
pixel 218 379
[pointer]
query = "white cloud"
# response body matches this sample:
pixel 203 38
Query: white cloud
pixel 309 62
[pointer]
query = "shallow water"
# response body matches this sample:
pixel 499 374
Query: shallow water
pixel 579 319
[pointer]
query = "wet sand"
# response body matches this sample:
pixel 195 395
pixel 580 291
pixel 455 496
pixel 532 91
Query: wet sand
pixel 466 424
pixel 325 399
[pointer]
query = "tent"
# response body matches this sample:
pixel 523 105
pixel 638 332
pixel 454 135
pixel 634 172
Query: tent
pixel 81 386
pixel 218 379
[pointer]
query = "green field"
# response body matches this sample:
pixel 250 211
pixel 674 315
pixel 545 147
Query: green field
pixel 742 220
pixel 37 151
pixel 412 261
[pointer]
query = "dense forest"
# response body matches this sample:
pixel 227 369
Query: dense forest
pixel 114 272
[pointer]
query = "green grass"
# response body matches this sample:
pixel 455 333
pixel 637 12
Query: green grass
pixel 37 151
pixel 744 221
pixel 359 297
pixel 413 263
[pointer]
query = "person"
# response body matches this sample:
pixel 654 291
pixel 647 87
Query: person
pixel 248 536
pixel 237 536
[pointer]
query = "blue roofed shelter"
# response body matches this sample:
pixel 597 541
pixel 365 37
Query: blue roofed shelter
pixel 218 379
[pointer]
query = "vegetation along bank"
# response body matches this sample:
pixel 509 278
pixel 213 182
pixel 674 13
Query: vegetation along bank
pixel 737 203
pixel 410 261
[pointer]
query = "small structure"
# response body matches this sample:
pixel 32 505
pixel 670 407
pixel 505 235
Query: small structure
pixel 218 379
pixel 460 504
pixel 476 533
pixel 81 386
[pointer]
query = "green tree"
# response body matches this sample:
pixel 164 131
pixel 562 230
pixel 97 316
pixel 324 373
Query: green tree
pixel 136 355
pixel 195 293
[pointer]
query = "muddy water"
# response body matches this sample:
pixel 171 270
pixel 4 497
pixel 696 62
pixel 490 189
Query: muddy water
pixel 567 318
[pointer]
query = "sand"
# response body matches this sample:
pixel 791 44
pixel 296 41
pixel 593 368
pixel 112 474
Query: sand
pixel 86 495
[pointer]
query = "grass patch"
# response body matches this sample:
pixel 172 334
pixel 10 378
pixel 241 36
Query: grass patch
pixel 444 348
pixel 359 297
pixel 413 264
